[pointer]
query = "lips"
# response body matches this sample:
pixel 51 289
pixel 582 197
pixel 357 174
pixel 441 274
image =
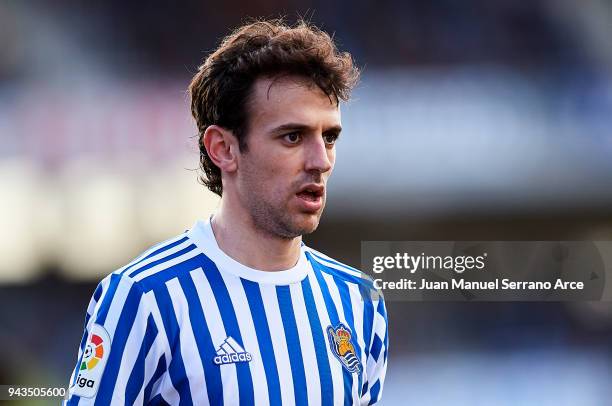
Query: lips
pixel 311 197
pixel 311 192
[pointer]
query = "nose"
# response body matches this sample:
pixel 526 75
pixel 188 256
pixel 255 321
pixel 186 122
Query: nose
pixel 319 158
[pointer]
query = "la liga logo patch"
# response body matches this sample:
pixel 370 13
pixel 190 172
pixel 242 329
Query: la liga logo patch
pixel 94 352
pixel 92 364
pixel 342 347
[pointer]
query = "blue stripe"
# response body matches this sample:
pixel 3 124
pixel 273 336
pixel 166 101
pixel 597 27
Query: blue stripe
pixel 345 298
pixel 73 401
pixel 114 281
pixel 293 345
pixel 383 312
pixel 374 392
pixel 82 347
pixel 94 300
pixel 333 261
pixel 96 296
pixel 368 324
pixel 376 347
pixel 381 309
pixel 386 341
pixel 157 251
pixel 206 348
pixel 162 260
pixel 158 400
pixel 364 389
pixel 230 323
pixel 108 299
pixel 334 319
pixel 159 371
pixel 262 330
pixel 98 292
pixel 364 281
pixel 176 369
pixel 80 359
pixel 368 327
pixel 119 339
pixel 160 278
pixel 136 379
pixel 327 384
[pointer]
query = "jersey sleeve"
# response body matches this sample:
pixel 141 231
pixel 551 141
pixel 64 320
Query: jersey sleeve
pixel 120 351
pixel 376 366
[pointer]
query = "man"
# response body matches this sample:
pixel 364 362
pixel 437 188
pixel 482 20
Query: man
pixel 237 310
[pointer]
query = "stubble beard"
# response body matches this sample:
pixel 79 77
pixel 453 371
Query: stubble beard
pixel 275 220
pixel 271 215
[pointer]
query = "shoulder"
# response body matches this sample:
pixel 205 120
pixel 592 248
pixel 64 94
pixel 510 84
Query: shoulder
pixel 338 269
pixel 157 264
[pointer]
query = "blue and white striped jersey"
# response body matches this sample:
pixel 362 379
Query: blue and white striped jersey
pixel 186 324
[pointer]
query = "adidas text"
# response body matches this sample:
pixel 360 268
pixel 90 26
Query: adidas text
pixel 232 358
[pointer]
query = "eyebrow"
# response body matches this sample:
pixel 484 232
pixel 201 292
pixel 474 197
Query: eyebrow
pixel 301 127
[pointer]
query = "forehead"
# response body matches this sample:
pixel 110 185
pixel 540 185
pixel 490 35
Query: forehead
pixel 291 99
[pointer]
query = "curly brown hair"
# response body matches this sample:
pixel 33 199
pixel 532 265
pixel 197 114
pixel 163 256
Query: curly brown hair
pixel 221 88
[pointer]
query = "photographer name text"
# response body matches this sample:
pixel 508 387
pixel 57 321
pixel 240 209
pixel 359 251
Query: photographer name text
pixel 462 284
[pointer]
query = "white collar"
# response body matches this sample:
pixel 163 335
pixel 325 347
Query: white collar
pixel 202 235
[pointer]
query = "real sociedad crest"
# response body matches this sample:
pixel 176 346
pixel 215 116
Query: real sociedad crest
pixel 340 344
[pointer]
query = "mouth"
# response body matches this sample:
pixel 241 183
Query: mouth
pixel 311 196
pixel 311 192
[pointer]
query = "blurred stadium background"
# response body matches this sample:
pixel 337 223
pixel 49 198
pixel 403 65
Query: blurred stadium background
pixel 478 120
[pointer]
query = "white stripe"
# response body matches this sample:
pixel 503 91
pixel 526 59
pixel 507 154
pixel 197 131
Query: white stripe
pixel 164 384
pixel 130 352
pixel 167 264
pixel 229 377
pixel 334 363
pixel 380 324
pixel 105 285
pixel 150 365
pixel 131 273
pixel 327 261
pixel 377 368
pixel 227 348
pixel 189 347
pixel 91 310
pixel 150 250
pixel 230 339
pixel 93 313
pixel 93 302
pixel 124 286
pixel 313 383
pixel 371 366
pixel 279 344
pixel 357 303
pixel 335 294
pixel 167 390
pixel 249 337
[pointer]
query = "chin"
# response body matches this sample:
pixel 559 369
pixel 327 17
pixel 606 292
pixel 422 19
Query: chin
pixel 309 224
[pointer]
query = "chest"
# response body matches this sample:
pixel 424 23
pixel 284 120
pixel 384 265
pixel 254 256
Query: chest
pixel 264 344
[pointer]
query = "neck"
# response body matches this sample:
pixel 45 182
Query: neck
pixel 238 237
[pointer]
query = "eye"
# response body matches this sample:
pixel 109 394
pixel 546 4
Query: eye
pixel 330 139
pixel 292 138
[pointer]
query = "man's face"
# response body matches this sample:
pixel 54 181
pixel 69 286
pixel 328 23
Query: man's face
pixel 282 175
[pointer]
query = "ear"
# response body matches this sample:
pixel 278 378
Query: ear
pixel 222 147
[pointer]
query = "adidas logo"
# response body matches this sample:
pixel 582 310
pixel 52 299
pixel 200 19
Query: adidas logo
pixel 230 352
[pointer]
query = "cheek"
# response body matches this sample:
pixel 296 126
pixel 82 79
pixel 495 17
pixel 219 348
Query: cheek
pixel 331 156
pixel 273 179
